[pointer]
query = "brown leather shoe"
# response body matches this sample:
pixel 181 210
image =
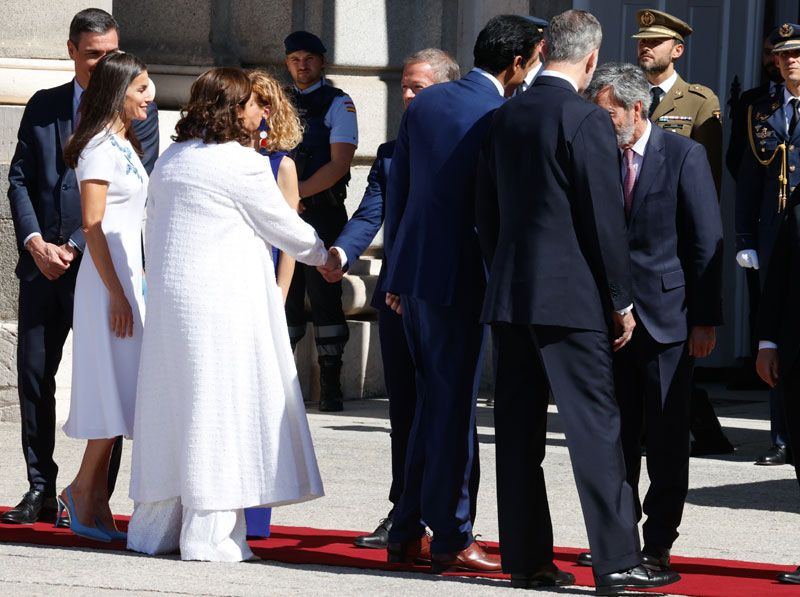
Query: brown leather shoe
pixel 410 552
pixel 470 559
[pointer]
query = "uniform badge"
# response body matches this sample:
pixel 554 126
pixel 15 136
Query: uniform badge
pixel 786 30
pixel 761 117
pixel 763 132
pixel 716 114
pixel 774 106
pixel 647 19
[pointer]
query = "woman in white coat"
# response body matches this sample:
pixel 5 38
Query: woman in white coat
pixel 220 423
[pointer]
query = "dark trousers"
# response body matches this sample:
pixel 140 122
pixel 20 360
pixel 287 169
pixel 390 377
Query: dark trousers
pixel 330 328
pixel 447 350
pixel 791 387
pixel 45 318
pixel 575 366
pixel 654 385
pixel 399 376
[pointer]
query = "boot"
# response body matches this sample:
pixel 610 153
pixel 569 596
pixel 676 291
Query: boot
pixel 330 388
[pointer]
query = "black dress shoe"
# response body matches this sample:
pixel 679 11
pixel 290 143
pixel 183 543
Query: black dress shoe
pixel 35 506
pixel 547 576
pixel 584 559
pixel 379 538
pixel 774 456
pixel 635 578
pixel 790 578
pixel 655 558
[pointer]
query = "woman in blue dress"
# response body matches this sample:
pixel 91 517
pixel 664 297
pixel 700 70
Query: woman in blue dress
pixel 280 132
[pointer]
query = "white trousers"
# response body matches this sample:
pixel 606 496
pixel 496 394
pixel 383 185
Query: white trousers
pixel 207 535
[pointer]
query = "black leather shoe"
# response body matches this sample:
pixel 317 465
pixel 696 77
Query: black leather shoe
pixel 774 456
pixel 635 578
pixel 379 538
pixel 584 559
pixel 35 506
pixel 547 576
pixel 655 558
pixel 790 578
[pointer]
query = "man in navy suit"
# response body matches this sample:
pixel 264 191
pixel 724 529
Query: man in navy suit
pixel 552 228
pixel 435 277
pixel 46 209
pixel 675 240
pixel 422 69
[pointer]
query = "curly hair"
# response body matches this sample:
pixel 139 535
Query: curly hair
pixel 285 130
pixel 211 113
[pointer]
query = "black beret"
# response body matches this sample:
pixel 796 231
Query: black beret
pixel 303 40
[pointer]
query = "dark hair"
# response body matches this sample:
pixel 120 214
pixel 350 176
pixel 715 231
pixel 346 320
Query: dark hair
pixel 211 114
pixel 504 38
pixel 91 20
pixel 103 100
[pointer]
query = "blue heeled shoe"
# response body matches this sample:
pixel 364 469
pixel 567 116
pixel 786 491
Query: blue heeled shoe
pixel 113 534
pixel 75 525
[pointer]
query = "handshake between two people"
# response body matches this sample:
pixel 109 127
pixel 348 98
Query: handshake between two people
pixel 332 270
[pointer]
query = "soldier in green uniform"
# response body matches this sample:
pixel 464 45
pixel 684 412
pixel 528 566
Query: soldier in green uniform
pixel 685 108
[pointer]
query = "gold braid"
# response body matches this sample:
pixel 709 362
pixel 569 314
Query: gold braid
pixel 783 179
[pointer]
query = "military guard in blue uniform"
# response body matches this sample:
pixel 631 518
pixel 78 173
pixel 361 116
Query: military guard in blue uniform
pixel 323 164
pixel 768 174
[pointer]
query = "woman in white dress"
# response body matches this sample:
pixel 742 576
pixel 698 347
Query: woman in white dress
pixel 109 311
pixel 220 424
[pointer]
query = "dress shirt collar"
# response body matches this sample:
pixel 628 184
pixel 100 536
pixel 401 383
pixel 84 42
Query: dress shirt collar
pixel 492 78
pixel 559 75
pixel 641 144
pixel 787 95
pixel 314 87
pixel 667 84
pixel 531 75
pixel 77 94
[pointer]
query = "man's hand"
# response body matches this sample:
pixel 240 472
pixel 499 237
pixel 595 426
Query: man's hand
pixel 702 339
pixel 47 257
pixel 767 366
pixel 68 252
pixel 623 329
pixel 332 270
pixel 393 302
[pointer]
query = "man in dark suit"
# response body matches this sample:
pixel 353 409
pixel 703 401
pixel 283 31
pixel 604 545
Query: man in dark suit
pixel 435 276
pixel 559 275
pixel 422 69
pixel 45 206
pixel 675 240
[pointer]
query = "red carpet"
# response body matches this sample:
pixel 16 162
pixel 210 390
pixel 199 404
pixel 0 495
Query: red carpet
pixel 297 545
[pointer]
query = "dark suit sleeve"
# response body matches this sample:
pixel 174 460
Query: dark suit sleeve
pixel 22 177
pixel 147 133
pixel 487 211
pixel 700 239
pixel 749 191
pixel 772 306
pixel 598 211
pixel 397 189
pixel 366 221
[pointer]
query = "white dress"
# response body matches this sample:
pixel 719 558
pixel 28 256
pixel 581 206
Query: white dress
pixel 104 367
pixel 220 422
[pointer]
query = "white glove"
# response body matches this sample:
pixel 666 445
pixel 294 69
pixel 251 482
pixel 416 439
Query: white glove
pixel 747 258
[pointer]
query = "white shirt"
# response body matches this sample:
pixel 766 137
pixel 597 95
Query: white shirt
pixel 500 89
pixel 528 81
pixel 638 153
pixel 787 108
pixel 559 75
pixel 666 85
pixel 340 117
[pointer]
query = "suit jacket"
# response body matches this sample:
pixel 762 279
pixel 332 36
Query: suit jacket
pixel 550 212
pixel 44 193
pixel 675 239
pixel 367 219
pixel 739 144
pixel 757 186
pixel 701 106
pixel 430 244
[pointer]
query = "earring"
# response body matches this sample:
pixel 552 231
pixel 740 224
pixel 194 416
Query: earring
pixel 263 133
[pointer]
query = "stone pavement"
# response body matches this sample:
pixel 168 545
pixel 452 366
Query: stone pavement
pixel 735 510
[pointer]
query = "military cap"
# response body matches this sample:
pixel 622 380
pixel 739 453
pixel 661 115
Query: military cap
pixel 541 24
pixel 303 40
pixel 656 24
pixel 787 38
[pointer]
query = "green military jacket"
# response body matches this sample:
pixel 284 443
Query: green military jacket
pixel 693 111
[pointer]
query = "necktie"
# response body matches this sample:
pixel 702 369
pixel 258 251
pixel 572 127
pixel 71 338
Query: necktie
pixel 630 180
pixel 655 95
pixel 795 115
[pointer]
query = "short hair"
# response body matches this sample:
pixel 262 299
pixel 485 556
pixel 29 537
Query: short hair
pixel 626 82
pixel 211 113
pixel 502 39
pixel 444 66
pixel 91 20
pixel 571 36
pixel 285 130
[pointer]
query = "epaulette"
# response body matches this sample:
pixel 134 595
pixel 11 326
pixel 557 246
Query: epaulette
pixel 702 91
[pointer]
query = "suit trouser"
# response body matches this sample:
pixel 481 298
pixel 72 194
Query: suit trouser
pixel 575 366
pixel 447 349
pixel 654 388
pixel 44 321
pixel 330 328
pixel 399 374
pixel 791 387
